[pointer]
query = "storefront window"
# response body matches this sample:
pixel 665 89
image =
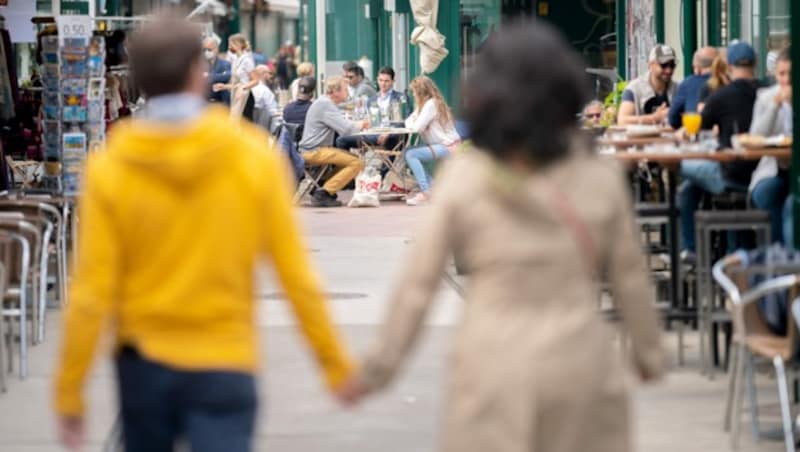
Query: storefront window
pixel 478 19
pixel 765 23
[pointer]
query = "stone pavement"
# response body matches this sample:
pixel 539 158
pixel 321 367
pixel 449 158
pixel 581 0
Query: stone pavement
pixel 358 252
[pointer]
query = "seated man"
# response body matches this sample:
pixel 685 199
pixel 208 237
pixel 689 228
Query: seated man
pixel 358 86
pixel 295 112
pixel 730 109
pixel 688 95
pixel 646 100
pixel 265 108
pixel 323 121
pixel 384 99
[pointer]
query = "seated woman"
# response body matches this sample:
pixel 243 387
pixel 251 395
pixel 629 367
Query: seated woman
pixel 433 120
pixel 772 115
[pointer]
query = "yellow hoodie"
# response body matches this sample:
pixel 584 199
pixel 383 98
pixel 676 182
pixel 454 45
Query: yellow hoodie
pixel 173 220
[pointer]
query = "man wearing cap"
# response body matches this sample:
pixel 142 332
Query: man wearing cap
pixel 730 110
pixel 688 94
pixel 646 100
pixel 295 112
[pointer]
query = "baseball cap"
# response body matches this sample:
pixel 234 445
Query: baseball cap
pixel 661 54
pixel 307 85
pixel 741 54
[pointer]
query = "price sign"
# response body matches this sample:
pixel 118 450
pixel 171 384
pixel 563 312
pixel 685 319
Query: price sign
pixel 74 27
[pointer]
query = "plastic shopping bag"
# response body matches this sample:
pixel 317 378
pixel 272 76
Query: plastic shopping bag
pixel 368 186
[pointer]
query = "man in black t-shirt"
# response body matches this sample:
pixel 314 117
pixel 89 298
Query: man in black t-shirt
pixel 730 109
pixel 295 112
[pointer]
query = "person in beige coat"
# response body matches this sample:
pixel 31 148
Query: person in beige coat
pixel 534 219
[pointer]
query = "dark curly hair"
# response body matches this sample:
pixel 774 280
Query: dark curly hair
pixel 525 92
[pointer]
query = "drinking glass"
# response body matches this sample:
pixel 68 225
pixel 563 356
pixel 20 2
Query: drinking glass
pixel 691 123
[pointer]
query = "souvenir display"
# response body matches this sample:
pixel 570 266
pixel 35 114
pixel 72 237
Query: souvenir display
pixel 73 105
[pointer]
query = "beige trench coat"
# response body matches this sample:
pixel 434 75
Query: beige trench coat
pixel 533 368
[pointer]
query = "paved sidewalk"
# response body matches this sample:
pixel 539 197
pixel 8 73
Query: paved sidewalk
pixel 358 252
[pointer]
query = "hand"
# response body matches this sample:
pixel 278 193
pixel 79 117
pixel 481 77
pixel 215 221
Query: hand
pixel 382 139
pixel 350 393
pixel 784 95
pixel 660 115
pixel 217 87
pixel 365 124
pixel 71 432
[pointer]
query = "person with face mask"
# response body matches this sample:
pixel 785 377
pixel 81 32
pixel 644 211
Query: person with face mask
pixel 219 70
pixel 772 115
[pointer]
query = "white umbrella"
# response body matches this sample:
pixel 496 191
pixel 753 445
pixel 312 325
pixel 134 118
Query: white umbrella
pixel 426 36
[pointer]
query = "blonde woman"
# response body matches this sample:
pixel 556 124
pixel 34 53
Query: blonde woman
pixel 242 77
pixel 303 70
pixel 719 77
pixel 433 120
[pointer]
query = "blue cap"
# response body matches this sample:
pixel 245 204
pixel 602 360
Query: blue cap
pixel 741 54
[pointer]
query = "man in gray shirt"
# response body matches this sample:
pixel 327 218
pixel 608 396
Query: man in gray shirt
pixel 358 86
pixel 323 121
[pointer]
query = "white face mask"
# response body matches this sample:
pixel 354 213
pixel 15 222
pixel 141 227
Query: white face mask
pixel 209 54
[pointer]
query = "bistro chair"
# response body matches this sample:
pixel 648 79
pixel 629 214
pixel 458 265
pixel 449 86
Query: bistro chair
pixel 754 340
pixel 18 239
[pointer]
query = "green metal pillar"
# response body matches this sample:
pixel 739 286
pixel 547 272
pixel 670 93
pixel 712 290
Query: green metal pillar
pixel 311 24
pixel 622 39
pixel 795 171
pixel 734 20
pixel 661 36
pixel 713 22
pixel 253 34
pixel 761 45
pixel 689 34
pixel 234 25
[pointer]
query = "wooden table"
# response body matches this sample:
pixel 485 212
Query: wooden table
pixel 727 155
pixel 671 162
pixel 637 142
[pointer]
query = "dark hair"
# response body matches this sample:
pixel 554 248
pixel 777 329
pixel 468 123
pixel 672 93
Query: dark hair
pixel 526 89
pixel 387 70
pixel 307 85
pixel 162 54
pixel 358 70
pixel 786 54
pixel 350 66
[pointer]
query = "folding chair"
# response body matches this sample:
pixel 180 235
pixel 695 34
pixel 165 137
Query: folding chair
pixel 312 175
pixel 753 340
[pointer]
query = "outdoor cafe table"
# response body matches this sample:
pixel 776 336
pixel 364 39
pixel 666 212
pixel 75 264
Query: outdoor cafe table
pixel 396 166
pixel 671 160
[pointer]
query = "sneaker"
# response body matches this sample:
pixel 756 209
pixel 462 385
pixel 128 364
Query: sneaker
pixel 322 198
pixel 418 199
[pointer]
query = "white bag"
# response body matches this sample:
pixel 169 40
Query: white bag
pixel 368 186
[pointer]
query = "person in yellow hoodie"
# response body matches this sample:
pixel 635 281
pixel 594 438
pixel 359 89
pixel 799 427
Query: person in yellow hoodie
pixel 174 216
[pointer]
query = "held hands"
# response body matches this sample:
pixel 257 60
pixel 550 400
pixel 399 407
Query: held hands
pixel 365 124
pixel 217 87
pixel 350 393
pixel 71 432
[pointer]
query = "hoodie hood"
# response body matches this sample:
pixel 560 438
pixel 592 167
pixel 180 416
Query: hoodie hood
pixel 180 154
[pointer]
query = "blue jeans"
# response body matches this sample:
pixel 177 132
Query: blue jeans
pixel 417 156
pixel 788 222
pixel 214 410
pixel 770 194
pixel 699 176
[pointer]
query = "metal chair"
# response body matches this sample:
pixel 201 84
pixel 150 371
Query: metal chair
pixel 54 234
pixel 752 340
pixel 26 236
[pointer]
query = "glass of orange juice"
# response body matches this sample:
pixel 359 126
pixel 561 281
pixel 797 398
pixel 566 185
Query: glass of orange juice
pixel 691 123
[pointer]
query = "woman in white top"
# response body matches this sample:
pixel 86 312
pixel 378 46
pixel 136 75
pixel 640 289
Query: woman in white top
pixel 433 120
pixel 242 77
